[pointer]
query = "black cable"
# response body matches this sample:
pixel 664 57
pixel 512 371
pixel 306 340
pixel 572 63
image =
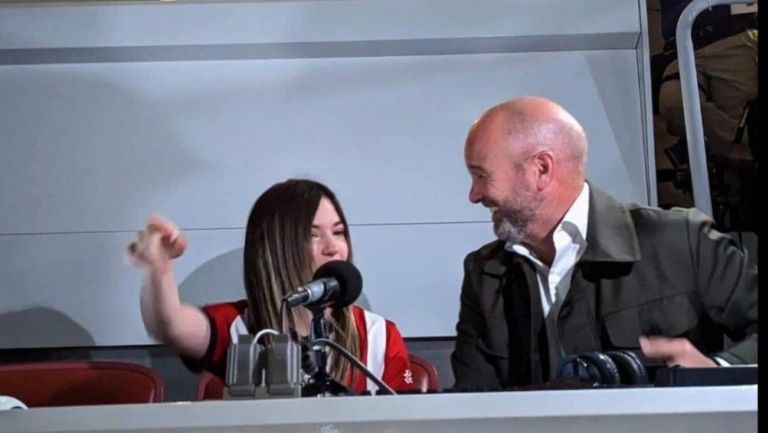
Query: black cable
pixel 351 358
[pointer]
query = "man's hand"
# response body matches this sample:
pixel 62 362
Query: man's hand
pixel 157 245
pixel 674 351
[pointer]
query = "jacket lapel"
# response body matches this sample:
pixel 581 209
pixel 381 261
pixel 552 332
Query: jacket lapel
pixel 612 247
pixel 515 321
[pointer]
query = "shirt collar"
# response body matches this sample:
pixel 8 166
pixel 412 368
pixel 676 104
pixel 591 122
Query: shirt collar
pixel 577 216
pixel 574 223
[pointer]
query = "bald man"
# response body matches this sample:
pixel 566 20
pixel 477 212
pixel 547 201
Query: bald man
pixel 575 271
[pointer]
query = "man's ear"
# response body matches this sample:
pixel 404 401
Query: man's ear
pixel 544 164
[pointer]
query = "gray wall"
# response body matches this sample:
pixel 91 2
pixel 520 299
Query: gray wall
pixel 109 112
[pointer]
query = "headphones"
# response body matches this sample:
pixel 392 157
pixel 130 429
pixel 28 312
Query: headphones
pixel 615 367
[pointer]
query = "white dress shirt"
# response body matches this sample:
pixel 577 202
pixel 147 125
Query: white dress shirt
pixel 570 238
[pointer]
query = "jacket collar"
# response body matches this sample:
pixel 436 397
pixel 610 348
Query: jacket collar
pixel 611 235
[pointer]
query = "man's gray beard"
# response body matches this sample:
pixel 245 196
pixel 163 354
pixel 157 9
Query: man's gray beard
pixel 508 232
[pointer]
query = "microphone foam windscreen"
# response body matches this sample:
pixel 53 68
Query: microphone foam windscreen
pixel 349 279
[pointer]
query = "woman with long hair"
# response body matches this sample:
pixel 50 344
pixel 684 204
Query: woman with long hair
pixel 294 227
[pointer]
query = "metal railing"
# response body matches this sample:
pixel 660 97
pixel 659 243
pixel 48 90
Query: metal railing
pixel 694 129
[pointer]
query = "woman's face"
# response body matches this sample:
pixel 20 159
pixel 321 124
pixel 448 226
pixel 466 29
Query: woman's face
pixel 328 240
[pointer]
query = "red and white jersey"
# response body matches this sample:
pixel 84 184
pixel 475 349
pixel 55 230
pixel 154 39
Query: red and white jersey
pixel 382 348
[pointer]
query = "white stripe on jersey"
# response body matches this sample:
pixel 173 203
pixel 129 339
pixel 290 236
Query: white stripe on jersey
pixel 237 328
pixel 377 346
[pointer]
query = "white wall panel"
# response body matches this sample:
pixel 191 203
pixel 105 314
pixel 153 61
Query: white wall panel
pixel 112 111
pixel 79 290
pixel 148 24
pixel 200 140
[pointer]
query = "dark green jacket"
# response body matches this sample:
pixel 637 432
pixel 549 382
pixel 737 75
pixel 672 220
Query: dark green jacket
pixel 644 271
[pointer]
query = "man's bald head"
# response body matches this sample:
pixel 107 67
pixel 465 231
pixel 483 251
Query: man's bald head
pixel 527 161
pixel 531 124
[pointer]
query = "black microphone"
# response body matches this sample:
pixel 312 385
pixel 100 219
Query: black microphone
pixel 335 284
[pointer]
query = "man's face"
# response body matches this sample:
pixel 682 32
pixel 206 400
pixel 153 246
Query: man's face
pixel 500 183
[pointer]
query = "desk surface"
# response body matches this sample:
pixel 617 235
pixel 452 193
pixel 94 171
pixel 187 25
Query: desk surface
pixel 695 410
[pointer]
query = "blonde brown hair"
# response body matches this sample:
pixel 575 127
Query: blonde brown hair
pixel 277 260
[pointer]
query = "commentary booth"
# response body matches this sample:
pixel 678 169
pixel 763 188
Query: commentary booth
pixel 113 110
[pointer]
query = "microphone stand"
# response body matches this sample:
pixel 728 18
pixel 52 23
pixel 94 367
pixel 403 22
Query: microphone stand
pixel 320 382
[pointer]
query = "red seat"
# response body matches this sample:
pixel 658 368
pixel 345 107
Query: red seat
pixel 424 374
pixel 76 383
pixel 211 387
